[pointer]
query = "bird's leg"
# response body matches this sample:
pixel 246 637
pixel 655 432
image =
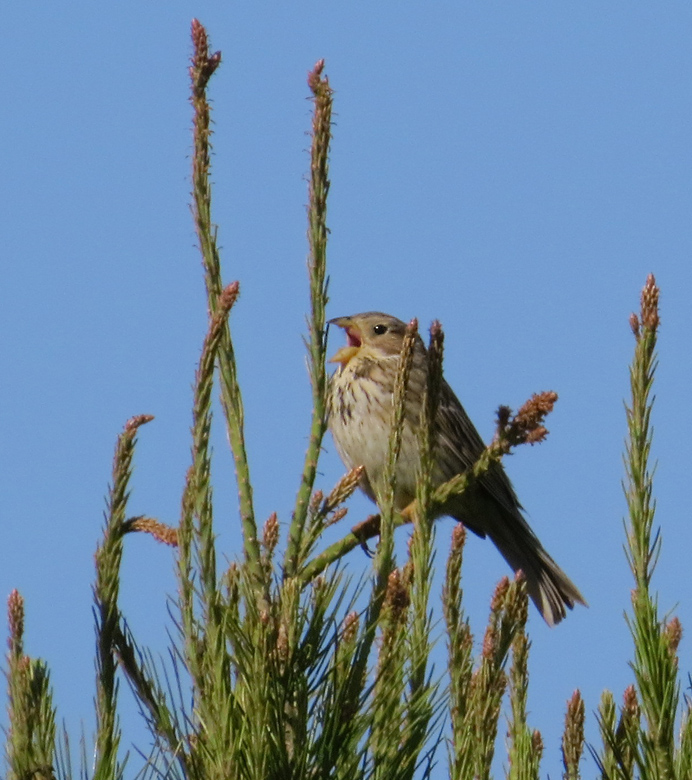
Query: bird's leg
pixel 366 530
pixel 409 512
pixel 371 526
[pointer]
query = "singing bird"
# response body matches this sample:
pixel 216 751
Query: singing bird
pixel 360 412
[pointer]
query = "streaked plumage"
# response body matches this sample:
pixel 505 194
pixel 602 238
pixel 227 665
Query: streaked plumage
pixel 359 418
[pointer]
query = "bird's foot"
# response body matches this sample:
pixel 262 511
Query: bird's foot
pixel 369 528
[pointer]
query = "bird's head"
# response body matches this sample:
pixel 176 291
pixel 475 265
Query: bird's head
pixel 373 334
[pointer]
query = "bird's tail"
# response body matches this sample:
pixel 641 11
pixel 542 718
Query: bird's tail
pixel 550 589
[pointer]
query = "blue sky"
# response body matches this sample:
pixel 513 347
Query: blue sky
pixel 513 169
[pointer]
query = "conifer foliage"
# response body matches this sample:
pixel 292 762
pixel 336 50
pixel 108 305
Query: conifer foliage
pixel 282 667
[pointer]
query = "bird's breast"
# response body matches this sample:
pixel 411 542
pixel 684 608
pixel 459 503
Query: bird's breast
pixel 360 421
pixel 360 412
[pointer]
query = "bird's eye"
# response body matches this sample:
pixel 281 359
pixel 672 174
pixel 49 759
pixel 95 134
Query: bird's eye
pixel 380 329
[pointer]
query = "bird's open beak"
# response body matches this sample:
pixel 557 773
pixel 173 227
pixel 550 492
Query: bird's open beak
pixel 354 340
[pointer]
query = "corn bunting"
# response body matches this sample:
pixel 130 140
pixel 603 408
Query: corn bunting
pixel 360 410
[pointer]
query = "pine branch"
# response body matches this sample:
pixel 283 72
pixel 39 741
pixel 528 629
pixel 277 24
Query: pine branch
pixel 106 591
pixel 201 70
pixel 30 747
pixel 655 644
pixel 317 336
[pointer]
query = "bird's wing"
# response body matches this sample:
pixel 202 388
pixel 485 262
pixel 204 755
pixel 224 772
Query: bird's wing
pixel 460 445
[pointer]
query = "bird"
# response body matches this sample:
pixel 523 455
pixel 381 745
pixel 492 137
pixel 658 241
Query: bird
pixel 359 414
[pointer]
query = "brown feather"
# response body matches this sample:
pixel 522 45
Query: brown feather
pixel 360 408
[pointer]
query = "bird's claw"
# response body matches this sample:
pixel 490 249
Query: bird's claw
pixel 366 530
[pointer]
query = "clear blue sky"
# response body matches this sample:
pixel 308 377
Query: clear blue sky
pixel 513 169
